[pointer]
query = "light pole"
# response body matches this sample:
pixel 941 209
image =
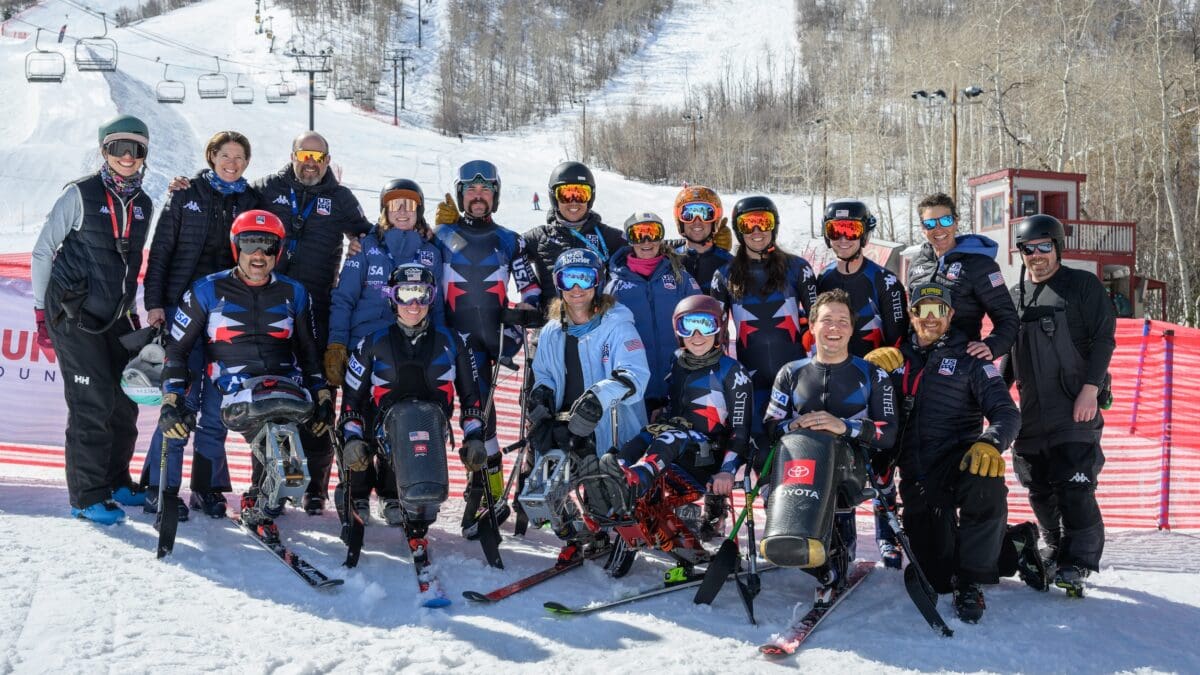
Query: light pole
pixel 584 102
pixel 824 124
pixel 693 118
pixel 937 96
pixel 399 62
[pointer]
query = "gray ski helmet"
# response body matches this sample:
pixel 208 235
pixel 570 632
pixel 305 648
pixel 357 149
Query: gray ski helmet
pixel 1041 226
pixel 749 205
pixel 403 188
pixel 569 173
pixel 849 209
pixel 143 375
pixel 477 169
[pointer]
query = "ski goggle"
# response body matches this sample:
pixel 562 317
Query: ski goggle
pixel 573 193
pixel 478 169
pixel 702 211
pixel 1044 247
pixel 401 204
pixel 928 309
pixel 409 294
pixel 943 221
pixel 755 221
pixel 583 278
pixel 641 233
pixel 124 146
pixel 310 156
pixel 844 229
pixel 256 241
pixel 705 324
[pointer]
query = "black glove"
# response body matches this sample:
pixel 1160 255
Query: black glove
pixel 515 316
pixel 175 421
pixel 322 417
pixel 539 404
pixel 585 415
pixel 473 452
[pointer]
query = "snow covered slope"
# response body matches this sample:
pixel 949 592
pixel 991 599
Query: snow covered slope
pixel 81 599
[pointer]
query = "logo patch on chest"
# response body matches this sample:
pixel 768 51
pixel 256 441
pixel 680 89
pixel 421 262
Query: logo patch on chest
pixel 324 206
pixel 947 367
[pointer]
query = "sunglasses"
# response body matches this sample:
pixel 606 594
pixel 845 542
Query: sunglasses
pixel 122 147
pixel 844 229
pixel 249 243
pixel 583 278
pixel 926 310
pixel 1044 247
pixel 705 324
pixel 409 294
pixel 573 193
pixel 641 233
pixel 702 211
pixel 755 221
pixel 311 156
pixel 401 204
pixel 933 223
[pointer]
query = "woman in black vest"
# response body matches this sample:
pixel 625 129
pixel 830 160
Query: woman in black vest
pixel 84 269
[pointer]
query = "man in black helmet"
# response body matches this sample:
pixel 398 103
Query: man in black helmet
pixel 1060 362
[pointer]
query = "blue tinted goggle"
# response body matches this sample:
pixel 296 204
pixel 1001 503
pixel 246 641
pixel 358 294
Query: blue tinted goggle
pixel 702 211
pixel 933 223
pixel 478 169
pixel 583 278
pixel 705 324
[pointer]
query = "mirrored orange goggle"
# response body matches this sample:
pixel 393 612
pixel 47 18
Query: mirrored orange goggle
pixel 641 233
pixel 844 229
pixel 577 193
pixel 755 221
pixel 311 155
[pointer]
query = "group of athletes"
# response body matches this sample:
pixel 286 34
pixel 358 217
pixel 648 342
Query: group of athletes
pixel 248 279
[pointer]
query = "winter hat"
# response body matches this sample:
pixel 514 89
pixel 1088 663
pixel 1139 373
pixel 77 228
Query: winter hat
pixel 124 127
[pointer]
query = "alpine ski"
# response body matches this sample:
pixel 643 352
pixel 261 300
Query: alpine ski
pixel 428 586
pixel 798 631
pixel 311 575
pixel 668 586
pixel 531 580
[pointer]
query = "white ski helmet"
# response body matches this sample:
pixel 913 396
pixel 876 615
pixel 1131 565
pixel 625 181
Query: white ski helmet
pixel 143 375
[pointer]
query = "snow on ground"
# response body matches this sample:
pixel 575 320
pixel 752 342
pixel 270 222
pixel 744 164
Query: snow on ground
pixel 80 598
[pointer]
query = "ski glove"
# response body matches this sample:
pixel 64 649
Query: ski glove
pixel 43 334
pixel 585 415
pixel 888 358
pixel 355 455
pixel 447 212
pixel 335 364
pixel 322 417
pixel 723 236
pixel 538 404
pixel 473 452
pixel 983 459
pixel 176 423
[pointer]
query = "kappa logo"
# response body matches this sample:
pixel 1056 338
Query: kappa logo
pixel 105 211
pixel 324 206
pixel 889 281
pixel 880 376
pixel 741 379
pixel 83 379
pixel 282 200
pixel 1077 478
pixel 374 250
pixel 799 472
pixel 947 367
pixel 808 273
pixel 192 206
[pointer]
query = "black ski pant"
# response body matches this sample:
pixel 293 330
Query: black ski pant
pixel 1062 491
pixel 955 522
pixel 101 420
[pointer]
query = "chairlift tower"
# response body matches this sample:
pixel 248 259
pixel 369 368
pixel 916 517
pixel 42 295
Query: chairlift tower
pixel 312 64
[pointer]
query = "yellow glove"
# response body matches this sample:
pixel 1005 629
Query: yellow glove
pixel 447 211
pixel 984 460
pixel 723 236
pixel 888 358
pixel 335 364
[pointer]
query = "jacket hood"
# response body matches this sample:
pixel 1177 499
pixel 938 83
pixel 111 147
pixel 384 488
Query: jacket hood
pixel 974 243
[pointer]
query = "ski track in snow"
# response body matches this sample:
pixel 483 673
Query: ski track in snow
pixel 85 599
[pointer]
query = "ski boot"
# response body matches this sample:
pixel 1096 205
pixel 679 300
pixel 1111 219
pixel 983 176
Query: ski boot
pixel 890 554
pixel 363 508
pixel 475 511
pixel 129 496
pixel 1070 579
pixel 314 505
pixel 391 512
pixel 712 522
pixel 106 512
pixel 150 505
pixel 256 517
pixel 212 504
pixel 968 602
pixel 1031 567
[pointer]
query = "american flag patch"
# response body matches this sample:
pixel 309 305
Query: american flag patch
pixel 991 370
pixel 418 435
pixel 996 278
pixel 634 345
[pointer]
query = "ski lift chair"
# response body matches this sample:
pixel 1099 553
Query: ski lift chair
pixel 213 85
pixel 170 91
pixel 286 87
pixel 44 65
pixel 275 94
pixel 320 91
pixel 242 94
pixel 98 53
pixel 343 93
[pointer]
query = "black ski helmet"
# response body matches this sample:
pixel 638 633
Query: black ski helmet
pixel 570 173
pixel 849 209
pixel 1041 226
pixel 749 205
pixel 403 188
pixel 477 169
pixel 410 273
